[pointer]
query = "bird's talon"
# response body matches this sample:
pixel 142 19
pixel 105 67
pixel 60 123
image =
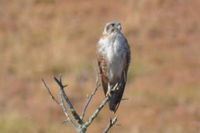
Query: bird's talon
pixel 115 87
pixel 108 94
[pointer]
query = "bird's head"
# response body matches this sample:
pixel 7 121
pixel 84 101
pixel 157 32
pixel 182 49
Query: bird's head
pixel 112 27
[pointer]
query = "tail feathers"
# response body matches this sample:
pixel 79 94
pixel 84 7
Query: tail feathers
pixel 114 104
pixel 115 98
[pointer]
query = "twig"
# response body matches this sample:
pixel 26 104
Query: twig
pixel 61 104
pixel 111 123
pixel 68 102
pixel 94 115
pixel 91 96
pixel 89 99
pixel 67 116
pixel 54 99
pixel 124 99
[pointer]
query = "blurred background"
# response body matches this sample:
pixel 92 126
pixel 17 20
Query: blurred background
pixel 42 38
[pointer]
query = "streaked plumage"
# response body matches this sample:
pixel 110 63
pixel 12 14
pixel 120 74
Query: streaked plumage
pixel 113 56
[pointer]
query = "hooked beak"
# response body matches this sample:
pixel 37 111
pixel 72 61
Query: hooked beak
pixel 119 27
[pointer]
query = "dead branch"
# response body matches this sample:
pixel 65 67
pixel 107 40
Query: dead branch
pixel 61 104
pixel 90 98
pixel 111 123
pixel 66 100
pixel 95 114
pixel 67 107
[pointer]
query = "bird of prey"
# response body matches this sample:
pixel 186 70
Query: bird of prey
pixel 113 57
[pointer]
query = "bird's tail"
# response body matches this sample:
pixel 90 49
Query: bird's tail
pixel 116 97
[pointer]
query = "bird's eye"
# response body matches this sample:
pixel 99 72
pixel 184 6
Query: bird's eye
pixel 113 25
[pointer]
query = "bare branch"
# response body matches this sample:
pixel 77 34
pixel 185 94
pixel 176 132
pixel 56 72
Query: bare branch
pixel 124 99
pixel 67 101
pixel 49 91
pixel 89 99
pixel 67 107
pixel 94 115
pixel 111 123
pixel 61 104
pixel 67 115
pixel 99 108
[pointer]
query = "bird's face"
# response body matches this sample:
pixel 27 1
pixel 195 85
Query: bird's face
pixel 112 27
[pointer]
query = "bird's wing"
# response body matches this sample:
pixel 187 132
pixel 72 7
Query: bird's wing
pixel 103 70
pixel 128 60
pixel 117 95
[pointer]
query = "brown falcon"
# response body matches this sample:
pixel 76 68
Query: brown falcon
pixel 113 56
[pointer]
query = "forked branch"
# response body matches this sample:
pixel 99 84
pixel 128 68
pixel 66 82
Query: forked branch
pixel 71 114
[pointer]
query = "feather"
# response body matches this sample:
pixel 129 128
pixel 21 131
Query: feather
pixel 116 96
pixel 102 64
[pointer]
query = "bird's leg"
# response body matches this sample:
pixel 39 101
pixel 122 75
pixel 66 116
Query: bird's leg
pixel 116 87
pixel 112 88
pixel 109 90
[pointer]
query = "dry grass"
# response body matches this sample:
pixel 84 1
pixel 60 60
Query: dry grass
pixel 40 38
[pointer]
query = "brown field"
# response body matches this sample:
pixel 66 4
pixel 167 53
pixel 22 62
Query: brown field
pixel 42 38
